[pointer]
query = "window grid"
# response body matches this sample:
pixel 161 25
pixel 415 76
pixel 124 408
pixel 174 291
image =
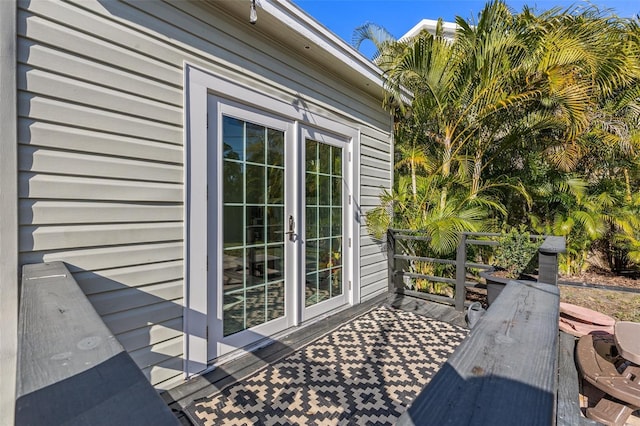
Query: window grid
pixel 323 252
pixel 250 147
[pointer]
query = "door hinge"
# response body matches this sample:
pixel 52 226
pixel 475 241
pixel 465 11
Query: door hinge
pixel 349 285
pixel 349 242
pixel 207 120
pixel 349 199
pixel 349 157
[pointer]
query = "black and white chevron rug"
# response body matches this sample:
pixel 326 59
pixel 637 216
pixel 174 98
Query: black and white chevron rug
pixel 365 372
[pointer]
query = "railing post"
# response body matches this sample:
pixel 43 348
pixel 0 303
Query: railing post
pixel 391 261
pixel 548 259
pixel 461 272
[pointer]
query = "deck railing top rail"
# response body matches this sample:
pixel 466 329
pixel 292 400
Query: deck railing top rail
pixel 71 369
pixel 505 370
pixel 548 253
pixel 553 244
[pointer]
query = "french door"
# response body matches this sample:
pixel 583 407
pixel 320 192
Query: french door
pixel 323 244
pixel 279 222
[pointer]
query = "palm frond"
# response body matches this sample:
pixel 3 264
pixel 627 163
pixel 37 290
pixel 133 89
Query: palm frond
pixel 374 33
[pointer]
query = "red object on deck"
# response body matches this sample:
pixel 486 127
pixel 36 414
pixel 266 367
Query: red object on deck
pixel 579 321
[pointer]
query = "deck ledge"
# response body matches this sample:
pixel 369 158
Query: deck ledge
pixel 506 369
pixel 71 369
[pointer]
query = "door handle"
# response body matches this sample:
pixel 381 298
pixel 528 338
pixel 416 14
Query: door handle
pixel 292 229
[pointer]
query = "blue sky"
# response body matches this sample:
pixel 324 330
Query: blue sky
pixel 399 16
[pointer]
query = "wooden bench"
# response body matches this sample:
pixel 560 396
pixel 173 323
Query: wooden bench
pixel 71 369
pixel 505 372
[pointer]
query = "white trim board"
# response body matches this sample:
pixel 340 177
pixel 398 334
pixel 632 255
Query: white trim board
pixel 199 84
pixel 8 210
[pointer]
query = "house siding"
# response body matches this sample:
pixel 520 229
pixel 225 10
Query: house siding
pixel 100 134
pixel 375 177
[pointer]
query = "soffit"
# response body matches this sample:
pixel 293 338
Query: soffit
pixel 287 24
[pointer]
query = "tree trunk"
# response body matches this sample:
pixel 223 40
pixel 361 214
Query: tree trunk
pixel 446 170
pixel 627 182
pixel 414 184
pixel 446 157
pixel 475 178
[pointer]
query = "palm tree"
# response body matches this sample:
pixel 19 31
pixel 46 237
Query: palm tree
pixel 443 225
pixel 411 154
pixel 378 35
pixel 560 90
pixel 595 62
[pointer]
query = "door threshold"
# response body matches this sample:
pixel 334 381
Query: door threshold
pixel 269 340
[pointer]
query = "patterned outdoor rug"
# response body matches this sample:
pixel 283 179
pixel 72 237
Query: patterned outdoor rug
pixel 365 372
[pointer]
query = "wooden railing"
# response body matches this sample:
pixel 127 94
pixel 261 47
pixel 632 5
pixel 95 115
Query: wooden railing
pixel 505 372
pixel 547 263
pixel 71 369
pixel 514 367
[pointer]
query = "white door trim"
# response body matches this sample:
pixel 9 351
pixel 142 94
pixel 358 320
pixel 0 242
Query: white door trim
pixel 220 345
pixel 322 136
pixel 198 85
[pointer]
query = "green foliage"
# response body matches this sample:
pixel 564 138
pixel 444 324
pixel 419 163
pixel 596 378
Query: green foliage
pixel 515 251
pixel 520 119
pixel 442 222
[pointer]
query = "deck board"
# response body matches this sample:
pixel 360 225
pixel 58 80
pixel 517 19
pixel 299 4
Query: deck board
pixel 431 309
pixel 568 408
pixel 506 369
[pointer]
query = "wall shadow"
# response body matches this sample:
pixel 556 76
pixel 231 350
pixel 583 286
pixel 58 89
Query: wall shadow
pixel 121 398
pixel 483 400
pixel 117 374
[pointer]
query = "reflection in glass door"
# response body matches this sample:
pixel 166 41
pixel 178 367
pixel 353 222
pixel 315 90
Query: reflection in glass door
pixel 323 246
pixel 253 186
pixel 277 209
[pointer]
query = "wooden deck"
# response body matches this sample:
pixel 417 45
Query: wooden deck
pixel 433 310
pixel 524 318
pixel 521 323
pixel 226 374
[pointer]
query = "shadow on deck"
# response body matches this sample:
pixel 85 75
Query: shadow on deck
pixel 222 391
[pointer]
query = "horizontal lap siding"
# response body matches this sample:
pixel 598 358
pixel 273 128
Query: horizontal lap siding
pixel 54 136
pixel 47 212
pixel 94 259
pixel 375 177
pixel 101 174
pixel 251 55
pixel 100 128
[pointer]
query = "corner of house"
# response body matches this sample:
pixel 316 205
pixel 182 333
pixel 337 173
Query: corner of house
pixel 8 210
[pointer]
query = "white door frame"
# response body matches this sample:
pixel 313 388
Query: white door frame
pixel 199 84
pixel 219 344
pixel 310 133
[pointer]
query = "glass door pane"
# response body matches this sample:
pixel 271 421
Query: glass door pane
pixel 253 225
pixel 324 222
